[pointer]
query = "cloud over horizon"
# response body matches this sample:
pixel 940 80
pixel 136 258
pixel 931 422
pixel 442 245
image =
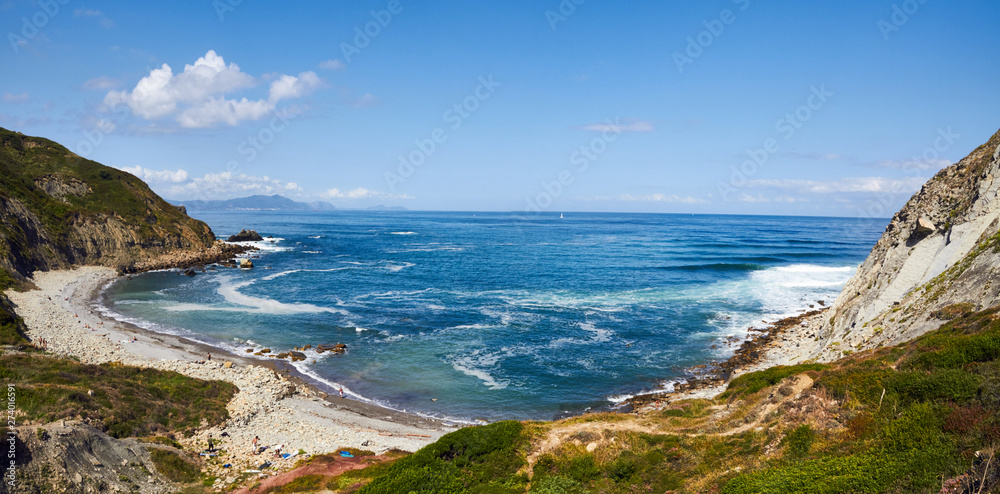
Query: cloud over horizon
pixel 196 97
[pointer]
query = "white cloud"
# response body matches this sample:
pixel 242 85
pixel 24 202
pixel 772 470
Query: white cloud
pixel 103 19
pixel 157 176
pixel 672 198
pixel 287 86
pixel 848 185
pixel 101 83
pixel 16 98
pixel 934 165
pixel 361 193
pixel 332 65
pixel 196 96
pixel 617 127
pixel 228 184
pixel 366 100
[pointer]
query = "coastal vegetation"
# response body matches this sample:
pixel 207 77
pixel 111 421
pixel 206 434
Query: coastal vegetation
pixel 123 401
pixel 908 418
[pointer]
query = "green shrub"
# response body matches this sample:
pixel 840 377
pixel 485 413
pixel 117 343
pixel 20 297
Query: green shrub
pixel 557 485
pixel 799 441
pixel 173 467
pixel 474 459
pixel 755 381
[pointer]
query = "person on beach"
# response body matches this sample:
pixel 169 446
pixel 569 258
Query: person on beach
pixel 341 391
pixel 253 445
pixel 210 356
pixel 211 444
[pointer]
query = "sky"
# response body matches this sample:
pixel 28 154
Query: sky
pixel 722 106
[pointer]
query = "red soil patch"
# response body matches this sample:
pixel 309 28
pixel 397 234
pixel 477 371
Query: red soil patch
pixel 327 465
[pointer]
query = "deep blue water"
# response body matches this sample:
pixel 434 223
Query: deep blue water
pixel 499 317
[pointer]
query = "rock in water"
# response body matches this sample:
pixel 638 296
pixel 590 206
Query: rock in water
pixel 245 236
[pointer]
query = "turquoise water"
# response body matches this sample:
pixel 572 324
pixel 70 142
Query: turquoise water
pixel 498 317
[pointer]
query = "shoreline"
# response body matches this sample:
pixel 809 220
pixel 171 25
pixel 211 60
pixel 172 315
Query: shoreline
pixel 274 401
pixel 788 341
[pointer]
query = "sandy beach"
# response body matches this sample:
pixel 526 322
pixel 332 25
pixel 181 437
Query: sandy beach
pixel 271 403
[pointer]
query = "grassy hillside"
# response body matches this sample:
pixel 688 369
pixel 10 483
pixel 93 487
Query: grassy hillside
pixel 911 418
pixel 49 196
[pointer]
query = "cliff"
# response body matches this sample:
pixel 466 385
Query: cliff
pixel 935 261
pixel 58 209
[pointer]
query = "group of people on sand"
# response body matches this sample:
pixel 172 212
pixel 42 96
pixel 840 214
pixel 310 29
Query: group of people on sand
pixel 256 449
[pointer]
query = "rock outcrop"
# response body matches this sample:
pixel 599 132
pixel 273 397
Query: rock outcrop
pixel 939 250
pixel 245 236
pixel 75 457
pixel 58 209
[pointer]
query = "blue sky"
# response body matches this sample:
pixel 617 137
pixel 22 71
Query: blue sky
pixel 726 106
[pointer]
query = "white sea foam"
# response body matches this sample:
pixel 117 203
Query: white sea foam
pixel 266 245
pixel 248 303
pixel 472 365
pixel 395 266
pixel 402 233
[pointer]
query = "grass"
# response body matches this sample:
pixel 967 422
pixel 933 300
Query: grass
pixel 755 381
pixel 124 401
pixel 173 467
pixel 483 459
pixel 901 419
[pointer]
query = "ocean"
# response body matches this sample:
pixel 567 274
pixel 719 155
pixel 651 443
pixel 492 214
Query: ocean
pixel 486 316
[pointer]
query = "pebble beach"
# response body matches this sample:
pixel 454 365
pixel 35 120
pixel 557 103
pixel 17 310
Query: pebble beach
pixel 279 409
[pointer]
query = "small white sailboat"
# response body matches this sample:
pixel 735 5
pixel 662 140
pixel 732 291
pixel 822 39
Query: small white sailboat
pixel 561 216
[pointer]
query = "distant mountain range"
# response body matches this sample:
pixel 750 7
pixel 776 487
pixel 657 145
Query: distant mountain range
pixel 268 203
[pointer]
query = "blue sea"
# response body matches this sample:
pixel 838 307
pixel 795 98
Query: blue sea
pixel 487 316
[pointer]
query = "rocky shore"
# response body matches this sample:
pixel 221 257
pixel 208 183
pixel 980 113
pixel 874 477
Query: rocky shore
pixel 789 341
pixel 183 259
pixel 270 404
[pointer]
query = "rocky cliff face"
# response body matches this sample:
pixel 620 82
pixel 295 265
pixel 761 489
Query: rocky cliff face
pixel 58 209
pixel 935 260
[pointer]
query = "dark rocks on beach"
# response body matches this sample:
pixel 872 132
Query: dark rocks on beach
pixel 245 236
pixel 190 272
pixel 297 356
pixel 338 348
